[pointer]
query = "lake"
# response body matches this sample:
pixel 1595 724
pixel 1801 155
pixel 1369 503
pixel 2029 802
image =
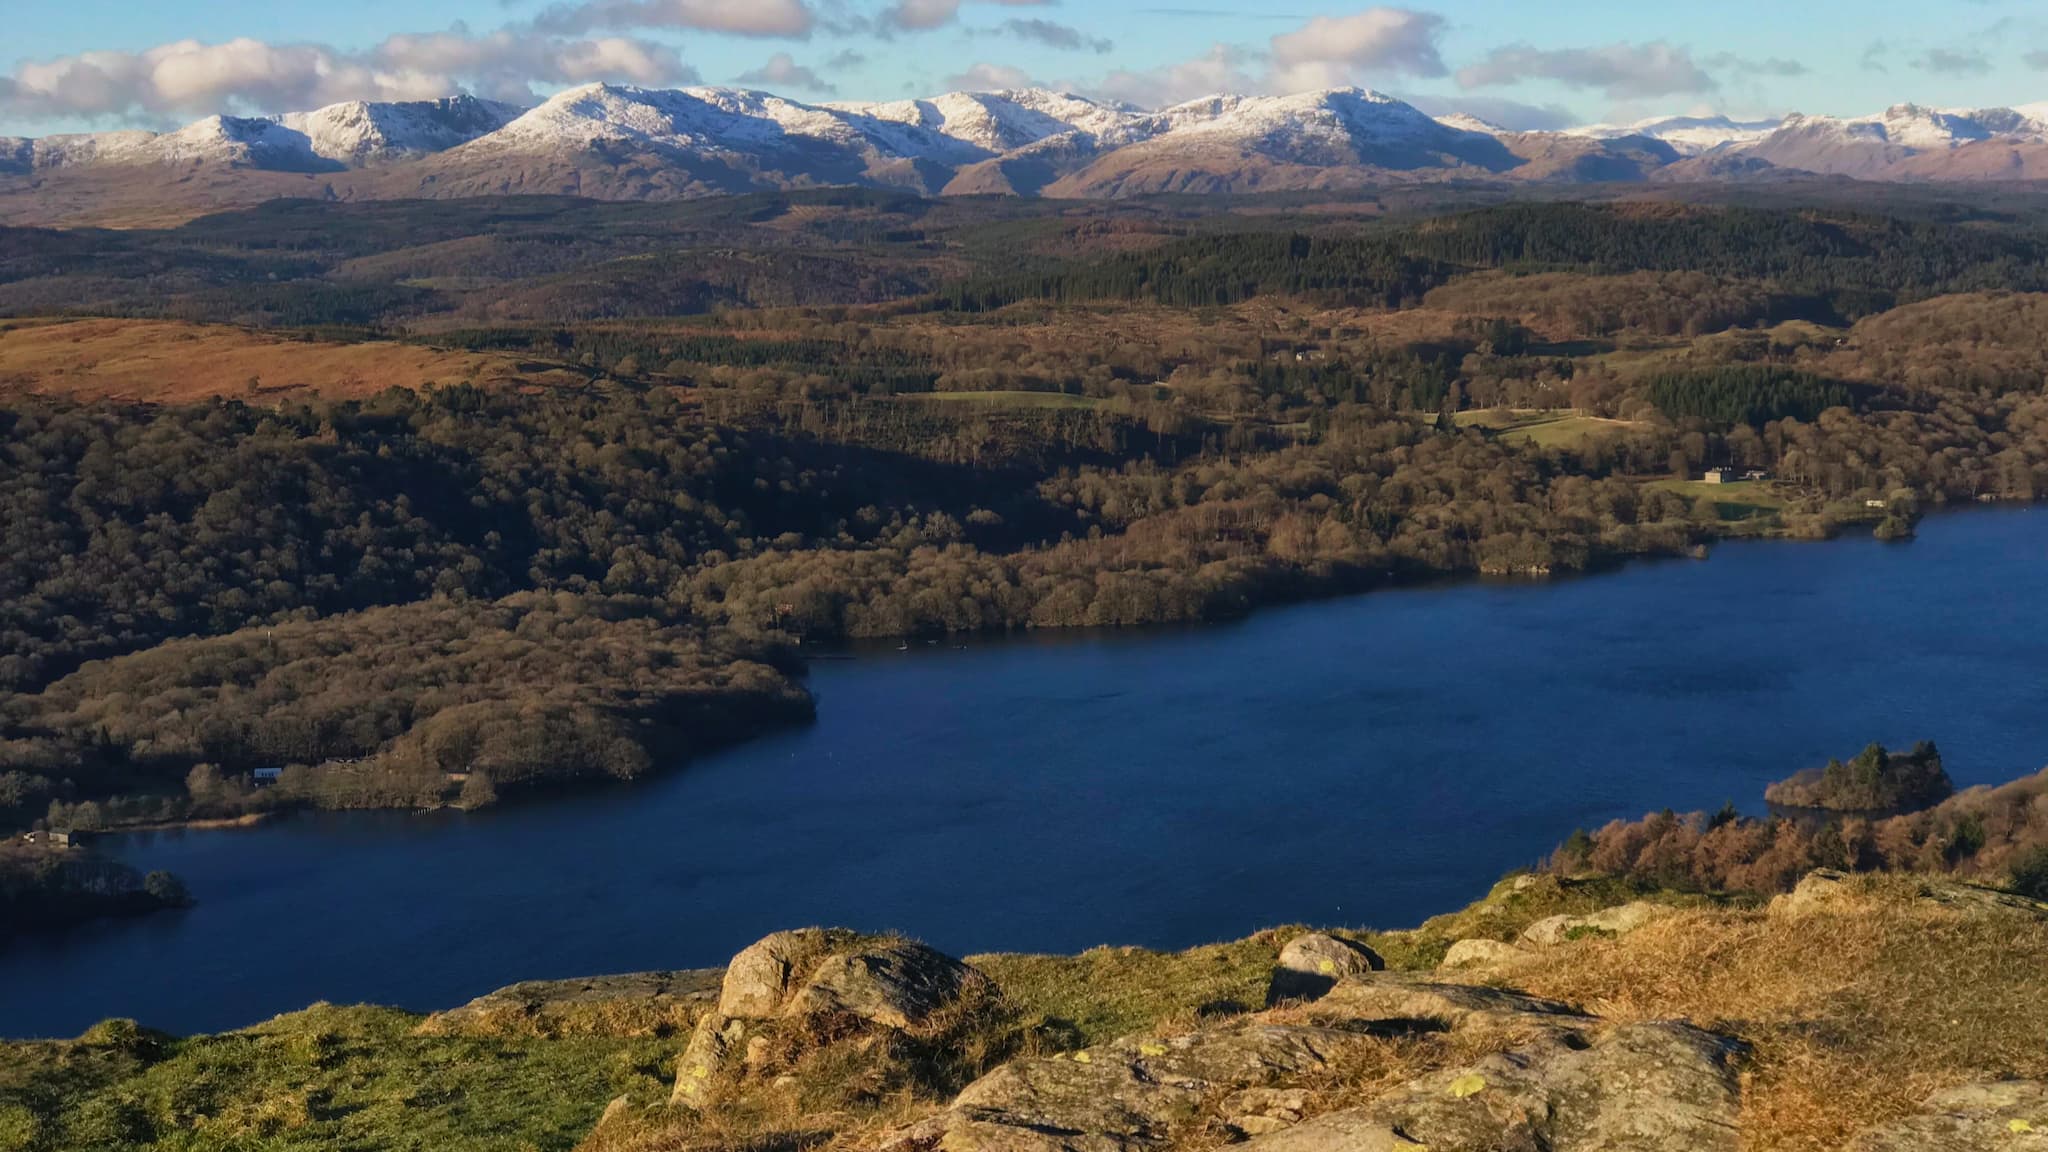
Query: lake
pixel 1366 761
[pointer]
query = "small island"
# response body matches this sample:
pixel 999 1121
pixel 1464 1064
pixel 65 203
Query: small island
pixel 47 879
pixel 1876 780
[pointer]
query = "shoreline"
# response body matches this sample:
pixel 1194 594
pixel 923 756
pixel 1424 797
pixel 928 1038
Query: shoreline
pixel 634 833
pixel 197 824
pixel 853 649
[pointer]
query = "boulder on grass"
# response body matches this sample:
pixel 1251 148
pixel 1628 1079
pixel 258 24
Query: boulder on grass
pixel 780 981
pixel 1617 921
pixel 1479 953
pixel 1312 964
pixel 760 979
pixel 900 985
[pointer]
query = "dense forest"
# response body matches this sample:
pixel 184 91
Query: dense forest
pixel 562 261
pixel 1746 394
pixel 989 417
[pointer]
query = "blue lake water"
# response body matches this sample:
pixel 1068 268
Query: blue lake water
pixel 1372 761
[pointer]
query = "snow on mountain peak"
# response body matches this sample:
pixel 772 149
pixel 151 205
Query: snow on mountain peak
pixel 1055 131
pixel 1466 122
pixel 360 132
pixel 999 122
pixel 708 119
pixel 1924 129
pixel 1689 135
pixel 1306 121
pixel 341 135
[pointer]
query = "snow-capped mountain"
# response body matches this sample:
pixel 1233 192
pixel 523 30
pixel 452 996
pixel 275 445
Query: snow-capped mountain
pixel 350 135
pixel 1238 143
pixel 1020 142
pixel 999 122
pixel 76 150
pixel 613 141
pixel 1309 127
pixel 622 142
pixel 727 120
pixel 961 126
pixel 1689 135
pixel 1870 147
pixel 1465 122
pixel 1923 129
pixel 359 132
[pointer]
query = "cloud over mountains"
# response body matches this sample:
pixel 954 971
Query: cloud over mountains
pixel 553 44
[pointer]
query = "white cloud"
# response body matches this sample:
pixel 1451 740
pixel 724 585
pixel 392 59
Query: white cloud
pixel 1333 51
pixel 251 76
pixel 505 65
pixel 782 71
pixel 779 18
pixel 1622 71
pixel 925 15
pixel 1222 69
pixel 1326 52
pixel 990 78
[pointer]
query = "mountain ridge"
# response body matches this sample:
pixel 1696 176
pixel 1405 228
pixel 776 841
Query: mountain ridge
pixel 624 142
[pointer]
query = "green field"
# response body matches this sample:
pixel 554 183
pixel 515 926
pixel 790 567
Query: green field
pixel 326 1078
pixel 1741 500
pixel 1547 428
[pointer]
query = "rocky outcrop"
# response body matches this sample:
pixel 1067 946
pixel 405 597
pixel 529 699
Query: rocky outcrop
pixel 2001 1116
pixel 712 1047
pixel 1560 1080
pixel 1617 921
pixel 787 981
pixel 1479 953
pixel 760 979
pixel 1395 1002
pixel 1134 1093
pixel 1348 1131
pixel 1826 889
pixel 900 985
pixel 1312 964
pixel 1635 1086
pixel 1258 1111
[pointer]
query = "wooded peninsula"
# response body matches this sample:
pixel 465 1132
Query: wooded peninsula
pixel 421 504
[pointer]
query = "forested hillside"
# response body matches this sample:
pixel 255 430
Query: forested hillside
pixel 588 540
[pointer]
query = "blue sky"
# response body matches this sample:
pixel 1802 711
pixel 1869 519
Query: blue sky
pixel 74 64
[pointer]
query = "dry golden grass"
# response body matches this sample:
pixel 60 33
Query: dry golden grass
pixel 169 362
pixel 1857 1012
